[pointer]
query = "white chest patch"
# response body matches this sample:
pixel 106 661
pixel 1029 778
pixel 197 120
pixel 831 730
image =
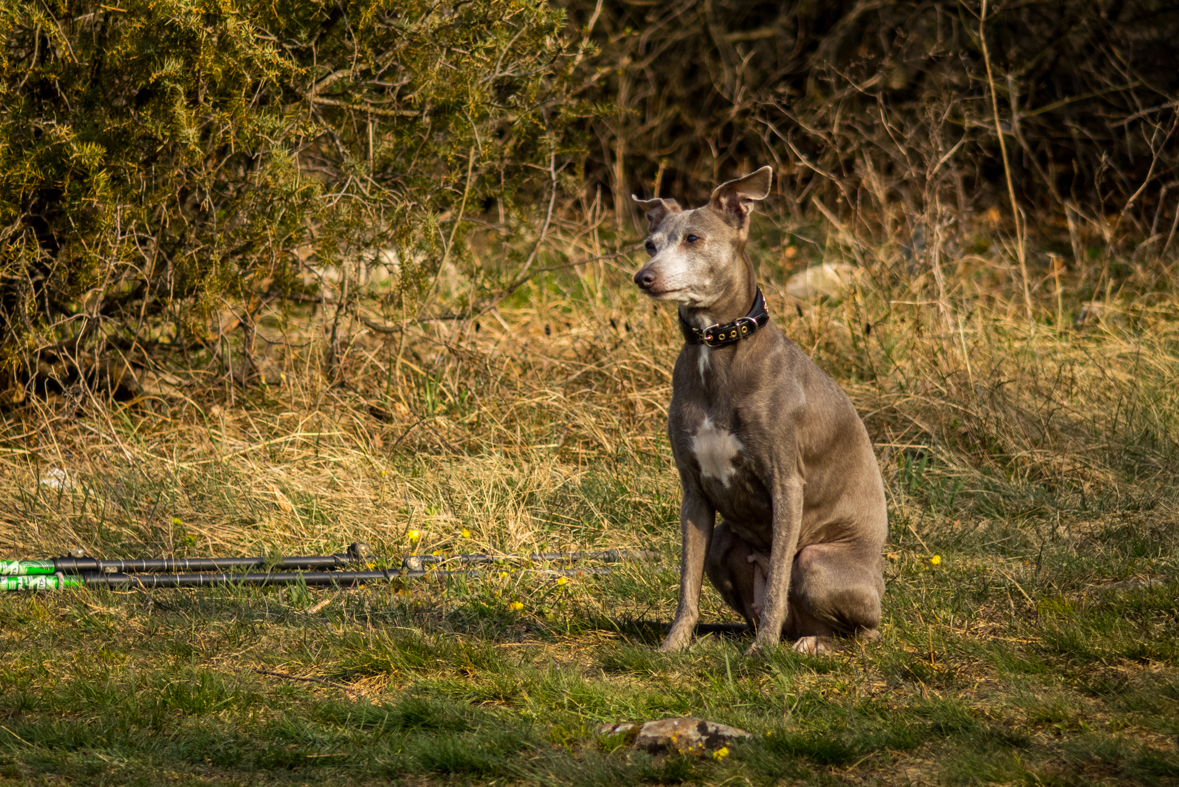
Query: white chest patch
pixel 704 361
pixel 715 450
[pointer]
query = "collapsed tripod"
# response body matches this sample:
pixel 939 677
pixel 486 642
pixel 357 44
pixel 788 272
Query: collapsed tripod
pixel 78 570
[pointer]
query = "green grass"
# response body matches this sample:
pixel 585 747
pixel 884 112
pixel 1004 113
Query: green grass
pixel 972 684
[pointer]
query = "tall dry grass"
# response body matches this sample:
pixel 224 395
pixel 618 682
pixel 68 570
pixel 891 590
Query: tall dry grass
pixel 540 420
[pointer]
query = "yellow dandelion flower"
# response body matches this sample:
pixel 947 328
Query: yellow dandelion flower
pixel 562 580
pixel 503 574
pixel 414 535
pixel 516 605
pixel 466 533
pixel 936 559
pixel 176 521
pixel 720 753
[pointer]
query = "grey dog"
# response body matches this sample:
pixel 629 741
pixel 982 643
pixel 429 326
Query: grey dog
pixel 764 438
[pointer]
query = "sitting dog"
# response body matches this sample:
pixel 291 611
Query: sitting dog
pixel 762 436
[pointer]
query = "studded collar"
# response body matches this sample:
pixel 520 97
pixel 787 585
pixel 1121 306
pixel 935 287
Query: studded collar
pixel 731 332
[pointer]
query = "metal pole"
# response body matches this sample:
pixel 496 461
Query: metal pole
pixel 72 565
pixel 78 564
pixel 311 578
pixel 608 556
pixel 357 553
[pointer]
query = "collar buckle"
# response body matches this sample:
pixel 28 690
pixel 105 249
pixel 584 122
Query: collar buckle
pixel 712 336
pixel 745 325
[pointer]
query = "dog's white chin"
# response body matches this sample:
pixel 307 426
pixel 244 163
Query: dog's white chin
pixel 681 297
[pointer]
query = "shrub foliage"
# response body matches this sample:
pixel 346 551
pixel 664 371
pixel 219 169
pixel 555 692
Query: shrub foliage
pixel 161 160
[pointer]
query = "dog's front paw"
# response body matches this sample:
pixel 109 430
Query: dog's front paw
pixel 760 647
pixel 676 640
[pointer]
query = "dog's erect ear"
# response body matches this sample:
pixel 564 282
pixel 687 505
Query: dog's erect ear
pixel 735 199
pixel 657 210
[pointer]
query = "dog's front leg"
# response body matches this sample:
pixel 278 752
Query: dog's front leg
pixel 697 518
pixel 787 522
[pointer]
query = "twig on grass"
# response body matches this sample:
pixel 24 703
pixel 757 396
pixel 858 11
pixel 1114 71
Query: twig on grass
pixel 321 681
pixel 19 738
pixel 1017 585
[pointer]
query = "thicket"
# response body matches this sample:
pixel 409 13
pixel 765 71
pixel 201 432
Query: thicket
pixel 170 164
pixel 171 170
pixel 887 116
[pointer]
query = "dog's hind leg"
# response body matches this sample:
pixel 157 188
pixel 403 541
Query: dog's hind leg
pixel 834 589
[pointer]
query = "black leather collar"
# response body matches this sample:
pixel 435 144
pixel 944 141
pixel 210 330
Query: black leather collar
pixel 730 332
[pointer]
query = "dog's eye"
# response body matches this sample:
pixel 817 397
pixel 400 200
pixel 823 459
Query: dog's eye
pixel 651 247
pixel 692 238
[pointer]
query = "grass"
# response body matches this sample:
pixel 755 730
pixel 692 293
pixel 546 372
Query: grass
pixel 1037 462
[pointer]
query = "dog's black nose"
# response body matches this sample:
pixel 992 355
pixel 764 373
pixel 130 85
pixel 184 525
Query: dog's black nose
pixel 645 278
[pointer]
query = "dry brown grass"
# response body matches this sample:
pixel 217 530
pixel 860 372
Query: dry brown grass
pixel 499 423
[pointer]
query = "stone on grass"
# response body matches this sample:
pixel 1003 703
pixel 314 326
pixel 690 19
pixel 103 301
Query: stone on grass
pixel 1088 314
pixel 686 735
pixel 829 279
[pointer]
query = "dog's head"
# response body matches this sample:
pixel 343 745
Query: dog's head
pixel 696 254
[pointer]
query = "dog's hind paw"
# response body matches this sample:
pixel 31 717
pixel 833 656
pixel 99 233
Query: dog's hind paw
pixel 813 646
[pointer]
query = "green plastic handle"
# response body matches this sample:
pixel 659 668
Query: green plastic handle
pixel 54 582
pixel 23 568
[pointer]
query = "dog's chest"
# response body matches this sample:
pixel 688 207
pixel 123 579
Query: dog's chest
pixel 717 452
pixel 725 459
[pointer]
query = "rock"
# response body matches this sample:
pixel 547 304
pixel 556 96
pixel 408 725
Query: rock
pixel 685 735
pixel 56 478
pixel 1088 313
pixel 830 279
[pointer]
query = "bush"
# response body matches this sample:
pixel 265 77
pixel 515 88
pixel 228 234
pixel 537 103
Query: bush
pixel 163 160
